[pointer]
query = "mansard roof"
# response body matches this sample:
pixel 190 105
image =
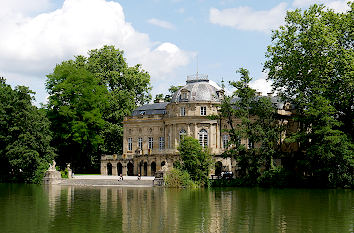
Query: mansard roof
pixel 197 91
pixel 150 109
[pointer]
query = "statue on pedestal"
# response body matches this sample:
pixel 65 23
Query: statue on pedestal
pixel 52 166
pixel 52 176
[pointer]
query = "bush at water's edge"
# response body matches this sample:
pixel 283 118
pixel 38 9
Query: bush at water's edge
pixel 177 178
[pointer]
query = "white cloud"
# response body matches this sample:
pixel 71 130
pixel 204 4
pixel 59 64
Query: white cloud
pixel 32 45
pixel 161 23
pixel 20 7
pixel 262 85
pixel 245 18
pixel 336 5
pixel 301 3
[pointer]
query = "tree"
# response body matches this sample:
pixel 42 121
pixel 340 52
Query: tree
pixel 311 63
pixel 25 150
pixel 253 118
pixel 196 160
pixel 75 104
pixel 172 90
pixel 158 98
pixel 116 90
pixel 127 88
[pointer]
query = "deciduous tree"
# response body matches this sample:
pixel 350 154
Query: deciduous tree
pixel 311 64
pixel 195 159
pixel 25 150
pixel 99 90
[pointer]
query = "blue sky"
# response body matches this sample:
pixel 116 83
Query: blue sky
pixel 165 36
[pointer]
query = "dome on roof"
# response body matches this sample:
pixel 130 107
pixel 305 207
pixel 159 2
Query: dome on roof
pixel 197 91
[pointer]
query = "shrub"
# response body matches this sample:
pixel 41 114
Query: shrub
pixel 276 177
pixel 177 178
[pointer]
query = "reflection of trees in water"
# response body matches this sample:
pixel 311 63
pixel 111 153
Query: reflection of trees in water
pixel 125 209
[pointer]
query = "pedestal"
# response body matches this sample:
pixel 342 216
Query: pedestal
pixel 52 177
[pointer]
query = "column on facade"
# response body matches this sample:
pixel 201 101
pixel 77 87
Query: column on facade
pixel 175 136
pixel 158 163
pixel 114 169
pixel 148 168
pixel 195 131
pixel 136 166
pixel 166 136
pixel 188 130
pixel 124 169
pixel 212 138
pixel 103 168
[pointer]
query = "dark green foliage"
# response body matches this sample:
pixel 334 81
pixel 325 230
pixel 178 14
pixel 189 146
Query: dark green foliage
pixel 195 160
pixel 25 150
pixel 89 97
pixel 127 88
pixel 253 118
pixel 275 177
pixel 311 62
pixel 158 98
pixel 75 109
pixel 177 178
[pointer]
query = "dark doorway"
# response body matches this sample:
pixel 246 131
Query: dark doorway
pixel 153 168
pixel 119 169
pixel 163 163
pixel 130 167
pixel 218 168
pixel 109 169
pixel 145 169
pixel 141 164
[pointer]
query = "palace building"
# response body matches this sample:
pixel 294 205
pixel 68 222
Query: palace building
pixel 153 132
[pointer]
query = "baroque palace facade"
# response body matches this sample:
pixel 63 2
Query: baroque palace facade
pixel 153 132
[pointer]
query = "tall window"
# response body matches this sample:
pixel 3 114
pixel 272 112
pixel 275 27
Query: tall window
pixel 225 140
pixel 162 143
pixel 151 143
pixel 203 111
pixel 203 138
pixel 182 134
pixel 183 111
pixel 140 143
pixel 130 144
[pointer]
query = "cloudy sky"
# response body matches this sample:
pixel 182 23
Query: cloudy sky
pixel 166 36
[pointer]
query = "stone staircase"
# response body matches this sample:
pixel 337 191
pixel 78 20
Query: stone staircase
pixel 107 182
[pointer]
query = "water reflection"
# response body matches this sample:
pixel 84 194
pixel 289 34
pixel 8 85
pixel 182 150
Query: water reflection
pixel 122 209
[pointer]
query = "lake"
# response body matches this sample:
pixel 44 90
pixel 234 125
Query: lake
pixel 39 208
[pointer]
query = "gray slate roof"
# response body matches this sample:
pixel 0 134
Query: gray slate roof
pixel 198 91
pixel 150 109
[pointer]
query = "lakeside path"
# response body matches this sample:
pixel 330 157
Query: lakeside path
pixel 100 180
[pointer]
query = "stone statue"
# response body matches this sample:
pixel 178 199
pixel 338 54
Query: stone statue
pixel 52 176
pixel 164 168
pixel 52 166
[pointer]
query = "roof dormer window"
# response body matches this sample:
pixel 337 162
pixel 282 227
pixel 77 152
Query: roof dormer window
pixel 184 95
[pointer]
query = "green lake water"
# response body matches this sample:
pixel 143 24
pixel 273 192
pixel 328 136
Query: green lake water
pixel 39 208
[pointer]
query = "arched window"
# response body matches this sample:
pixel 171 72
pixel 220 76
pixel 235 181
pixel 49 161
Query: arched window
pixel 182 134
pixel 203 138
